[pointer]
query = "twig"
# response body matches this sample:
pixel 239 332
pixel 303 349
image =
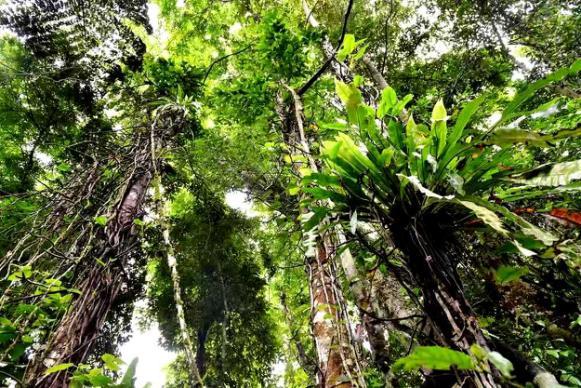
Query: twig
pixel 222 59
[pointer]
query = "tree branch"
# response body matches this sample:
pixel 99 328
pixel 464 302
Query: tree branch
pixel 331 58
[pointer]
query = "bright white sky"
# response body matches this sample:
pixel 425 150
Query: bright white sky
pixel 152 357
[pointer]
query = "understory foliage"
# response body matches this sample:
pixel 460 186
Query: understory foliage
pixel 295 193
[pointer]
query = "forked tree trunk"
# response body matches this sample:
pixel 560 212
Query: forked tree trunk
pixel 432 259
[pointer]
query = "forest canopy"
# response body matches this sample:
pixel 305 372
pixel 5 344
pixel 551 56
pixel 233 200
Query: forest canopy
pixel 410 175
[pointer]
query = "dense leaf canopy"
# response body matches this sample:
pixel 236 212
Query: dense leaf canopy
pixel 296 193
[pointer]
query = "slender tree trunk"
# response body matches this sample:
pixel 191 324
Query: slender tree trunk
pixel 201 351
pixel 338 364
pixel 187 343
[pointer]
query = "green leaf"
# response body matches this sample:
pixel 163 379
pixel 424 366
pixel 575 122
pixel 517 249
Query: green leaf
pixel 436 358
pixel 556 174
pixel 349 95
pixel 505 137
pixel 439 112
pixel 462 120
pixel 506 274
pixel 489 217
pixel 101 220
pixel 58 368
pixel 501 363
pixel 112 362
pixel 531 89
pixel 128 380
pixel 401 104
pixel 388 101
pixel 349 44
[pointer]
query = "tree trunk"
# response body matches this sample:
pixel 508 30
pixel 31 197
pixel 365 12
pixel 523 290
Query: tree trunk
pixel 431 259
pixel 102 279
pixel 305 361
pixel 338 366
pixel 187 344
pixel 73 339
pixel 79 328
pixel 201 351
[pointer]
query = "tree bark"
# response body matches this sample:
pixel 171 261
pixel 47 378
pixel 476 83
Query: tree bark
pixel 102 280
pixel 431 260
pixel 201 351
pixel 338 366
pixel 187 344
pixel 74 337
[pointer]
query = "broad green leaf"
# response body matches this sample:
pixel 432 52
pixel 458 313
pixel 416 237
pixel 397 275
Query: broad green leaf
pixel 348 46
pixel 506 273
pixel 349 95
pixel 128 380
pixel 112 362
pixel 531 89
pixel 386 157
pixel 462 120
pixel 400 106
pixel 388 101
pixel 505 137
pixel 525 192
pixel 58 368
pixel 489 217
pixel 501 363
pixel 439 112
pixel 557 174
pixel 436 358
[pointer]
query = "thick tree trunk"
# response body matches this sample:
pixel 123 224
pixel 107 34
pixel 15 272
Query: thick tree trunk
pixel 75 335
pixel 79 328
pixel 102 279
pixel 431 260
